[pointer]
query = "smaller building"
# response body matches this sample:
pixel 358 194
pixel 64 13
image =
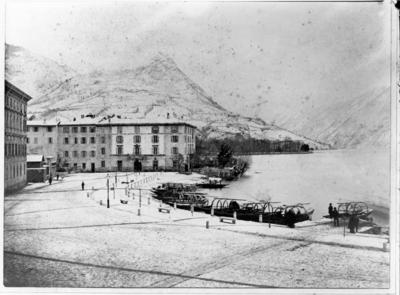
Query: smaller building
pixel 36 170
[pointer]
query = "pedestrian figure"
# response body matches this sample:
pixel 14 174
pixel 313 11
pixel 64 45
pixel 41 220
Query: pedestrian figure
pixel 58 176
pixel 50 180
pixel 330 210
pixel 83 185
pixel 356 221
pixel 335 215
pixel 351 224
pixel 290 218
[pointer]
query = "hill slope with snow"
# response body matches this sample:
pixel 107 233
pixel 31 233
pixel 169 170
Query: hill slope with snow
pixel 158 90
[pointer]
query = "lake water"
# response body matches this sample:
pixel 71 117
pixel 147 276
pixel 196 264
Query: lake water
pixel 319 178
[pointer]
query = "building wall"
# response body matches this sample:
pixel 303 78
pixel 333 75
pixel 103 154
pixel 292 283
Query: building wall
pixel 79 155
pixel 14 138
pixel 43 140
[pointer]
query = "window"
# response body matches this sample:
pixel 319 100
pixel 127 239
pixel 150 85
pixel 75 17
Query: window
pixel 103 151
pixel 137 129
pixel 136 138
pixel 120 139
pixel 103 139
pixel 49 129
pixel 103 164
pixel 119 149
pixel 76 140
pixel 119 129
pixel 155 149
pixel 92 140
pixel 174 150
pixel 83 166
pixel 154 139
pixel 66 140
pixel 65 129
pixel 174 138
pixel 174 129
pixel 154 129
pixel 83 140
pixel 35 129
pixel 83 129
pixel 75 153
pixel 35 140
pixel 83 154
pixel 66 154
pixel 93 153
pixel 50 140
pixel 75 129
pixel 75 166
pixel 92 129
pixel 137 149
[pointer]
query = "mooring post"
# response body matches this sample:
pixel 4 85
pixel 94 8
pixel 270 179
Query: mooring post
pixel 234 215
pixel 260 218
pixel 148 201
pixel 87 194
pixel 192 209
pixel 174 205
pixel 113 191
pixel 140 198
pixel 138 211
pixel 212 211
pixel 207 224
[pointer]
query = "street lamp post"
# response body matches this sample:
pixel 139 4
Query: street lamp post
pixel 108 190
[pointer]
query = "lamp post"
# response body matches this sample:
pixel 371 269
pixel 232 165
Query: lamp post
pixel 108 190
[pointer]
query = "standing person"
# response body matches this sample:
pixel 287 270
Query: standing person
pixel 356 221
pixel 351 225
pixel 330 210
pixel 83 186
pixel 290 218
pixel 335 215
pixel 50 179
pixel 58 176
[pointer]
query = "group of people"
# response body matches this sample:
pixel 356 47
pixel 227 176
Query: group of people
pixel 353 220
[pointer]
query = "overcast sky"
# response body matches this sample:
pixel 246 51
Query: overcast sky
pixel 246 55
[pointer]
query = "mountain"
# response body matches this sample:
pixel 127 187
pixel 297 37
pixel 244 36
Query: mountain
pixel 36 75
pixel 156 91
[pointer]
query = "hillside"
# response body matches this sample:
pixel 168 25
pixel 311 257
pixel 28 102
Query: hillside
pixel 35 75
pixel 152 92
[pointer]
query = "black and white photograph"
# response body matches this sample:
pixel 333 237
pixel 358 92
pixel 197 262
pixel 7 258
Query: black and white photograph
pixel 200 146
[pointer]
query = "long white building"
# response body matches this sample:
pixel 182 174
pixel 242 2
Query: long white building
pixel 114 144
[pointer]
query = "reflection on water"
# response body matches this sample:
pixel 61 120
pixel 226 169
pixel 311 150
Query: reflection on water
pixel 319 178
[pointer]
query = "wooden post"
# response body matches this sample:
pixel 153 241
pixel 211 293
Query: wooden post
pixel 114 191
pixel 212 211
pixel 192 209
pixel 140 198
pixel 260 218
pixel 234 215
pixel 207 224
pixel 174 205
pixel 138 211
pixel 148 201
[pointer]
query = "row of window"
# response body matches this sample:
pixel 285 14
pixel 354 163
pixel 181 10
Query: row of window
pixel 83 140
pixel 137 150
pixel 14 149
pixel 15 121
pixel 154 139
pixel 15 170
pixel 15 104
pixel 36 129
pixel 83 154
pixel 82 129
pixel 154 129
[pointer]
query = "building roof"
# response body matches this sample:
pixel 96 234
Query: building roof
pixel 34 158
pixel 51 122
pixel 14 88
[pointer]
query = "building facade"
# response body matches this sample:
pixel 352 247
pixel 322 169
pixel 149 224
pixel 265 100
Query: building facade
pixel 15 107
pixel 91 145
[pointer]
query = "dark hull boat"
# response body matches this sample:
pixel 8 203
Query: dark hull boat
pixel 211 185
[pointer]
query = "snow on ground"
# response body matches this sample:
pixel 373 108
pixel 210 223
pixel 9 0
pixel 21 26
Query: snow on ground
pixel 60 236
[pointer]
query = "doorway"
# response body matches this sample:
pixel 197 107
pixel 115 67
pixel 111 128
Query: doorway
pixel 119 165
pixel 137 166
pixel 93 167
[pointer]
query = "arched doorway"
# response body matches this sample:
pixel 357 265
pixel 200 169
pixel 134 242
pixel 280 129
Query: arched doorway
pixel 137 165
pixel 155 164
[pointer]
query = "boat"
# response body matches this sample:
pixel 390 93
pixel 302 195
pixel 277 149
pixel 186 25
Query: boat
pixel 359 209
pixel 171 189
pixel 212 182
pixel 188 200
